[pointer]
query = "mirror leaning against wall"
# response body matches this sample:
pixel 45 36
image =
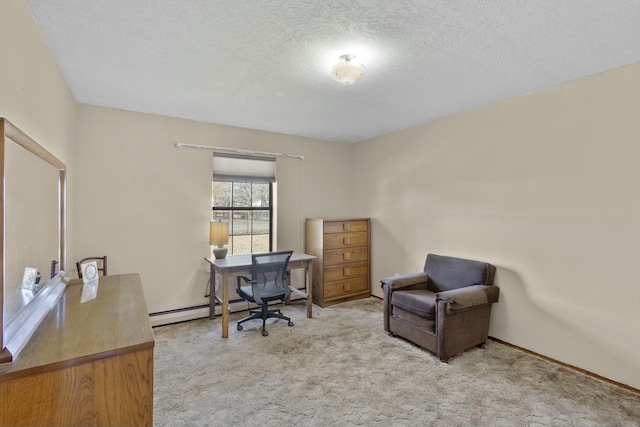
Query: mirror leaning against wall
pixel 33 195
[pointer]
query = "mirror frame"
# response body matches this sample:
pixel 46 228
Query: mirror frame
pixel 15 332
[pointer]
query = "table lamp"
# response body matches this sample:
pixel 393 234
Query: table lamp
pixel 219 236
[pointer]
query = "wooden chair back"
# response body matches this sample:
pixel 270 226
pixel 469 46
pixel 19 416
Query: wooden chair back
pixel 102 264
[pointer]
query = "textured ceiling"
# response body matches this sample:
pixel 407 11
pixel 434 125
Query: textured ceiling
pixel 264 64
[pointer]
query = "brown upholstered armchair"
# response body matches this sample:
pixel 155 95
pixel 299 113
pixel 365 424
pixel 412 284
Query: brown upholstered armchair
pixel 445 309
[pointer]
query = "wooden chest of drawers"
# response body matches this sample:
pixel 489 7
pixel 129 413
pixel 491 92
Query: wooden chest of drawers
pixel 342 267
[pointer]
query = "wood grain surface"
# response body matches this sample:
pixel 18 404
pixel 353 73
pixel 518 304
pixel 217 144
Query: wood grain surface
pixel 87 364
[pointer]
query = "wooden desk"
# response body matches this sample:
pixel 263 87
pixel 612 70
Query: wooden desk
pixel 241 264
pixel 87 364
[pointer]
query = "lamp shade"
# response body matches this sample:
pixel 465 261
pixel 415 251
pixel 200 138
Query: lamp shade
pixel 219 233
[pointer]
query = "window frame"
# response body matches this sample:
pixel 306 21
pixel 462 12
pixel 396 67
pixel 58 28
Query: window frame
pixel 252 209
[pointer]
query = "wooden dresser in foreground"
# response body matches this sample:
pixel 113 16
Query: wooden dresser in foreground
pixel 342 267
pixel 87 364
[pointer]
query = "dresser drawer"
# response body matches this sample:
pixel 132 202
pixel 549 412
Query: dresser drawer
pixel 346 287
pixel 346 271
pixel 343 240
pixel 345 226
pixel 342 255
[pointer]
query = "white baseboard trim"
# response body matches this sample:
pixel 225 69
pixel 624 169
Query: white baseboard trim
pixel 159 319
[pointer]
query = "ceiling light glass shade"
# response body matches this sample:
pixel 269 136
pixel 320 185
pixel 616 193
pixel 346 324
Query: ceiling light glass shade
pixel 348 71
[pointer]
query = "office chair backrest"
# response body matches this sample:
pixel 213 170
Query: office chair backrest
pixel 269 274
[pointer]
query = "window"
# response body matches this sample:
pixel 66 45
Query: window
pixel 242 194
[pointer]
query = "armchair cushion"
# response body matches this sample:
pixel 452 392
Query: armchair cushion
pixel 419 302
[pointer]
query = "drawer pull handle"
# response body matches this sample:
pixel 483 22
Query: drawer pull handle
pixel 347 287
pixel 346 271
pixel 346 226
pixel 346 240
pixel 346 256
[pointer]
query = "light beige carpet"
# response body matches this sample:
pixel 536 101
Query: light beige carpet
pixel 341 369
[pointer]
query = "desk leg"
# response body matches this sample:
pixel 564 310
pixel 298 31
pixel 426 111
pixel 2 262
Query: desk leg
pixel 225 304
pixel 212 293
pixel 308 278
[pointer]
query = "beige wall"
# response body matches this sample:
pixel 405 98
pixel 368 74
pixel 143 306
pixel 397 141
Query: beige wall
pixel 147 204
pixel 544 186
pixel 33 94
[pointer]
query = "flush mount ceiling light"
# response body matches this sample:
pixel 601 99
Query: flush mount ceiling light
pixel 348 70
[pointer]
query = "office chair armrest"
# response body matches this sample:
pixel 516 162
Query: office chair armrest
pixel 239 280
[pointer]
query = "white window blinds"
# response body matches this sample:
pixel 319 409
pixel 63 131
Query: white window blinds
pixel 233 167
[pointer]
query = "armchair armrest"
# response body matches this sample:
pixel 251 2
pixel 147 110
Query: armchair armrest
pixel 468 297
pixel 406 280
pixel 402 281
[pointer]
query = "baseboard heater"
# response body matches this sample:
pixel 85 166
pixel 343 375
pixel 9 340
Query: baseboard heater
pixel 192 313
pixel 197 312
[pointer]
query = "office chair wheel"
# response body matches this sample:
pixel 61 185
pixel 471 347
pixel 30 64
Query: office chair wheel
pixel 265 333
pixel 239 327
pixel 290 323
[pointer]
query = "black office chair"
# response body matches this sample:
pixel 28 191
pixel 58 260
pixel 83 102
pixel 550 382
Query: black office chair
pixel 269 282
